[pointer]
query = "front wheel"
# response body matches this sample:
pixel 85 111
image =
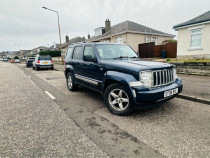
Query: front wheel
pixel 117 100
pixel 70 82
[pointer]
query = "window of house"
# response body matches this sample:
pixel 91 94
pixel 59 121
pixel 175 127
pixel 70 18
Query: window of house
pixel 154 39
pixel 147 39
pixel 195 38
pixel 78 53
pixel 119 40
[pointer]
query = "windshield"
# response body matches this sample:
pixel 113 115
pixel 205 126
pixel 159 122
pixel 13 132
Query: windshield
pixel 109 51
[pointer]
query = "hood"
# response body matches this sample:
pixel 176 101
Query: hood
pixel 135 65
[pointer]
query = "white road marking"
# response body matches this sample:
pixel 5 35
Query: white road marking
pixel 50 95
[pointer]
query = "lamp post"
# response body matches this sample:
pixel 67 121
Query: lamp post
pixel 58 29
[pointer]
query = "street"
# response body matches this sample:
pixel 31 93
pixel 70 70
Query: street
pixel 78 124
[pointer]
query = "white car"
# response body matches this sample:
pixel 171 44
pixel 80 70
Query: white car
pixel 17 60
pixel 43 62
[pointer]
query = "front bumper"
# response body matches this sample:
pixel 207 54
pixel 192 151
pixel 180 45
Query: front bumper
pixel 145 98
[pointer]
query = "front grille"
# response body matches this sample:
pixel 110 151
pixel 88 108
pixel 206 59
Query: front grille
pixel 162 77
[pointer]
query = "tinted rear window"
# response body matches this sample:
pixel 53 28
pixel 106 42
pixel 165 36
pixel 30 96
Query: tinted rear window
pixel 78 53
pixel 44 58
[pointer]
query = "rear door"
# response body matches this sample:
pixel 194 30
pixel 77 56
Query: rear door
pixel 77 62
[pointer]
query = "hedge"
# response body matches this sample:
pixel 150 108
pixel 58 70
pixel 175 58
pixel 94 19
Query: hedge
pixel 51 53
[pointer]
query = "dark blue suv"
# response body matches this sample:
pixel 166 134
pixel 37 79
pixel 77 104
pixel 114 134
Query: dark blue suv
pixel 125 81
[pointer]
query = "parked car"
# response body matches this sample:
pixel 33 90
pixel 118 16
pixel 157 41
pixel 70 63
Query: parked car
pixel 43 62
pixel 12 61
pixel 29 61
pixel 125 81
pixel 17 60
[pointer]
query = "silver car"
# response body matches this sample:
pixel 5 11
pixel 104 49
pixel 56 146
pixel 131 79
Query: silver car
pixel 43 62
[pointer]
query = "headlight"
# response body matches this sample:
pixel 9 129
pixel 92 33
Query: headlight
pixel 146 78
pixel 175 74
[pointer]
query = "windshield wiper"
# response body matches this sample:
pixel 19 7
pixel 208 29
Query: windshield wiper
pixel 134 57
pixel 121 57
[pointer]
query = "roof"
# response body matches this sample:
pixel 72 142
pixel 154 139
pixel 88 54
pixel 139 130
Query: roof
pixel 73 40
pixel 129 26
pixel 199 19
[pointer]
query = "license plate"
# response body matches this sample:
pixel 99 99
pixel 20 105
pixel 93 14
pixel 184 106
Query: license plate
pixel 170 92
pixel 45 63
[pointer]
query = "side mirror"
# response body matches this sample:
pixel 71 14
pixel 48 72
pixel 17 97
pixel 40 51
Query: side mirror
pixel 89 58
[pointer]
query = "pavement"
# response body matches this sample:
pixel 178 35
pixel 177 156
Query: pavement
pixel 196 88
pixel 33 125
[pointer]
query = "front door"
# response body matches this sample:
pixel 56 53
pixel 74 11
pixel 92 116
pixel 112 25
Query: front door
pixel 92 71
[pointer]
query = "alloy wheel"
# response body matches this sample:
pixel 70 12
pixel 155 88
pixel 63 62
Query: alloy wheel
pixel 118 99
pixel 69 82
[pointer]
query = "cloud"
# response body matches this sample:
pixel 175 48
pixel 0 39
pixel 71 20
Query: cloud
pixel 25 22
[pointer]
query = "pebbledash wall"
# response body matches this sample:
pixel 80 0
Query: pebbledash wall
pixel 184 39
pixel 134 39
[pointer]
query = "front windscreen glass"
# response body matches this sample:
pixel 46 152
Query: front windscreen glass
pixel 108 51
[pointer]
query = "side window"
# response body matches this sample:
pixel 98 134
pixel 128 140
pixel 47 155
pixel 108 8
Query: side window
pixel 78 53
pixel 89 51
pixel 69 53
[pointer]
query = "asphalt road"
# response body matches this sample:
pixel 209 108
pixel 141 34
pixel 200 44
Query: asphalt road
pixel 33 125
pixel 178 128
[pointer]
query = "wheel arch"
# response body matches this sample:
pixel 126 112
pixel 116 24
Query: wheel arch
pixel 111 77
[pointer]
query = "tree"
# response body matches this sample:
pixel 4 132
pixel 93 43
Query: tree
pixel 169 41
pixel 16 57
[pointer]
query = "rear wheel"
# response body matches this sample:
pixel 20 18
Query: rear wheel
pixel 70 82
pixel 118 100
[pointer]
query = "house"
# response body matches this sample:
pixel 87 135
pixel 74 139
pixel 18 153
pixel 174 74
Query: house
pixel 36 51
pixel 54 47
pixel 130 33
pixel 73 40
pixel 194 37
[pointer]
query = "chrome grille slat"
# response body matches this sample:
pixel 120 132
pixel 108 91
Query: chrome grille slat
pixel 156 79
pixel 162 77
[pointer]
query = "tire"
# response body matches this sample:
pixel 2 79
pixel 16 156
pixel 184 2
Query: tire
pixel 36 68
pixel 117 100
pixel 70 82
pixel 33 67
pixel 52 68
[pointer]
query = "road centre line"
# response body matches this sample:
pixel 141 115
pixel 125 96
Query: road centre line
pixel 50 95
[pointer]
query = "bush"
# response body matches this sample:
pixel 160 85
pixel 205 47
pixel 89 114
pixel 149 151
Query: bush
pixel 51 53
pixel 16 57
pixel 168 59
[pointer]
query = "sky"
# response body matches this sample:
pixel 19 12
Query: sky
pixel 25 25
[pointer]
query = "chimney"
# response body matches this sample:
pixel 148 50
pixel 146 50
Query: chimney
pixel 88 36
pixel 67 38
pixel 107 25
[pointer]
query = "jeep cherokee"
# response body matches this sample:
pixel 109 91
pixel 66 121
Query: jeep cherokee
pixel 125 81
